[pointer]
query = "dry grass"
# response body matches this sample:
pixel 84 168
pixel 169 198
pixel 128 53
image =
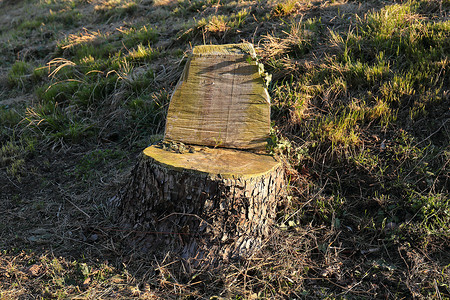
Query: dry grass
pixel 362 127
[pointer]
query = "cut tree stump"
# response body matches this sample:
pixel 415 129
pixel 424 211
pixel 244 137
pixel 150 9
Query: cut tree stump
pixel 208 204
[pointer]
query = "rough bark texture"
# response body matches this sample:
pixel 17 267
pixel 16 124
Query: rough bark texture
pixel 205 218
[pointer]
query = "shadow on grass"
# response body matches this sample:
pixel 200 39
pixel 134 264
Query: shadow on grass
pixel 350 228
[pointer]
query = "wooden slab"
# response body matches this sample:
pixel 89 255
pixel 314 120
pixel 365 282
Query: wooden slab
pixel 226 163
pixel 220 100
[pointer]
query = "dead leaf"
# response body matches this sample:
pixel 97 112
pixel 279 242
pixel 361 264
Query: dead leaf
pixel 35 270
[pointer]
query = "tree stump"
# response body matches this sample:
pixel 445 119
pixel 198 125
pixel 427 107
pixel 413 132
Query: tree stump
pixel 208 204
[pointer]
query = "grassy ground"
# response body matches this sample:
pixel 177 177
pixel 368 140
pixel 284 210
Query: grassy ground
pixel 360 108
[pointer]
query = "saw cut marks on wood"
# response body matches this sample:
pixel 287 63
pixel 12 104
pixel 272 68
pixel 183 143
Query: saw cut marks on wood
pixel 221 100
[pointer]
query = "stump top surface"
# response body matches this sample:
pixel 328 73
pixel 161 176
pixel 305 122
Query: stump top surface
pixel 227 163
pixel 221 100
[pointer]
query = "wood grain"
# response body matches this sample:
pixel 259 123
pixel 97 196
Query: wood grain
pixel 221 100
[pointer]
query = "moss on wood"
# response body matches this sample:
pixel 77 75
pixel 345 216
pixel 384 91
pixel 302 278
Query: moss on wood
pixel 221 100
pixel 226 163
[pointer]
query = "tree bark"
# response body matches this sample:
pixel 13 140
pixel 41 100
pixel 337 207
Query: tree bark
pixel 206 205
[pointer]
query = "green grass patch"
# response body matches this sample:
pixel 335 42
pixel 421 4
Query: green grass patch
pixel 219 25
pixel 95 160
pixel 148 112
pixel 13 154
pixel 134 36
pixel 23 75
pixel 383 74
pixel 284 8
pixel 360 100
pixel 55 19
pixel 101 66
pixel 56 124
pixel 433 212
pixel 185 7
pixel 87 45
pixel 114 9
pixel 142 53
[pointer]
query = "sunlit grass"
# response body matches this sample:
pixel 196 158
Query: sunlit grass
pixel 360 103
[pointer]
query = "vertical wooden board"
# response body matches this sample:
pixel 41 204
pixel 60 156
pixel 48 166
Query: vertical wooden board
pixel 221 100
